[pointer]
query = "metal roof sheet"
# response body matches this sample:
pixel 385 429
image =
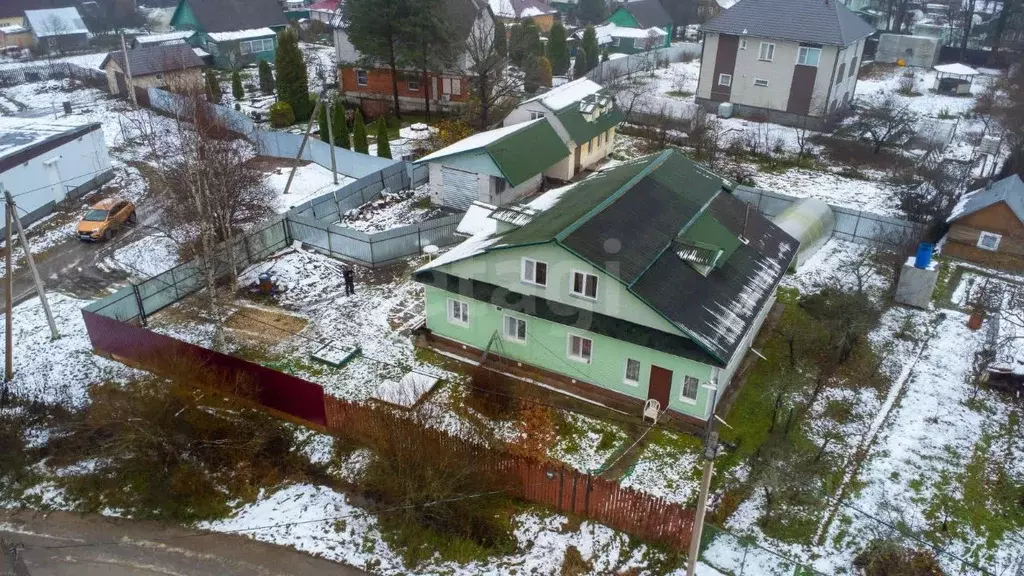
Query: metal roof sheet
pixel 812 21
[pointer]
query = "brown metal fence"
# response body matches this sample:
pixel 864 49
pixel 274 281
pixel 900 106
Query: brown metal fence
pixel 528 478
pixel 543 482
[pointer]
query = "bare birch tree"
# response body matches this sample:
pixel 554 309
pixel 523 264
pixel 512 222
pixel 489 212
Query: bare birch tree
pixel 492 83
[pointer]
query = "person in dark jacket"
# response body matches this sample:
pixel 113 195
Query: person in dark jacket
pixel 350 276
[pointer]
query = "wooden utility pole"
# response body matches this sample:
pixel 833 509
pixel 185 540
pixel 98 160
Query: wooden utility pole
pixel 305 137
pixel 12 210
pixel 8 306
pixel 710 451
pixel 128 73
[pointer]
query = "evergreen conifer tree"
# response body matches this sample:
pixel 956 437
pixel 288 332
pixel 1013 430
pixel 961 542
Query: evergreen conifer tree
pixel 359 142
pixel 292 80
pixel 341 137
pixel 383 145
pixel 558 50
pixel 590 45
pixel 266 78
pixel 236 85
pixel 321 121
pixel 579 67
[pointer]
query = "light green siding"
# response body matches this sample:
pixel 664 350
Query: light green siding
pixel 622 17
pixel 546 347
pixel 504 268
pixel 478 162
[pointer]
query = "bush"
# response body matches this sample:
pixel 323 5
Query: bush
pixel 266 77
pixel 281 115
pixel 236 85
pixel 359 141
pixel 886 558
pixel 573 563
pixel 383 145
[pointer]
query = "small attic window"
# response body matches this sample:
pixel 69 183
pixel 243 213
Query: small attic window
pixel 703 259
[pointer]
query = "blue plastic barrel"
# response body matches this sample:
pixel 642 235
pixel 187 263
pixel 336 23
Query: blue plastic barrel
pixel 924 256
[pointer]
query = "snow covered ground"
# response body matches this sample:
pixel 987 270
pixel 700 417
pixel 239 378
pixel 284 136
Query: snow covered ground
pixel 310 181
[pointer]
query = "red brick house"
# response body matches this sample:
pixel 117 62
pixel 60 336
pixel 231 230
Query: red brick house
pixel 370 86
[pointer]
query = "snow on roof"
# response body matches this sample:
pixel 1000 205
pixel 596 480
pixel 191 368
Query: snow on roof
pixel 478 141
pixel 241 34
pixel 200 52
pixel 567 94
pixel 502 8
pixel 161 38
pixel 957 68
pixel 475 244
pixel 13 29
pixel 18 133
pixel 55 22
pixel 608 31
pixel 531 11
pixel 477 219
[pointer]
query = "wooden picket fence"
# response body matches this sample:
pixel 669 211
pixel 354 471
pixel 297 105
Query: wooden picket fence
pixel 531 479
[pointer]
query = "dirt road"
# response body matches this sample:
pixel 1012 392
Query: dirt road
pixel 63 544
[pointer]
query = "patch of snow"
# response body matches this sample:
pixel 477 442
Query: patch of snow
pixel 567 94
pixel 241 34
pixel 478 141
pixel 148 256
pixel 311 181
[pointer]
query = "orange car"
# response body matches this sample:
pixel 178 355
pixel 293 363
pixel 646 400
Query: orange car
pixel 105 218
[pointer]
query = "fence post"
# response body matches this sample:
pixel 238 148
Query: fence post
pixel 138 301
pixel 419 239
pixel 856 225
pixel 372 261
pixel 561 486
pixel 286 223
pixel 248 251
pixel 330 249
pixel 575 477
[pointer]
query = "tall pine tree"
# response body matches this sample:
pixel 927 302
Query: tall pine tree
pixel 341 137
pixel 359 141
pixel 266 78
pixel 428 43
pixel 558 50
pixel 591 47
pixel 383 145
pixel 292 81
pixel 579 67
pixel 524 43
pixel 376 29
pixel 500 39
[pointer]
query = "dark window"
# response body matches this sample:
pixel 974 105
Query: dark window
pixel 840 75
pixel 853 66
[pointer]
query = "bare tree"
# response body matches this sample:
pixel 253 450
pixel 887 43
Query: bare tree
pixel 886 120
pixel 802 140
pixel 492 84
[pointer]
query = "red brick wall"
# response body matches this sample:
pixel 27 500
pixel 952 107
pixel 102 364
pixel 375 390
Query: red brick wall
pixel 379 84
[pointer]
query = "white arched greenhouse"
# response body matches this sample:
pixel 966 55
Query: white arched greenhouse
pixel 811 222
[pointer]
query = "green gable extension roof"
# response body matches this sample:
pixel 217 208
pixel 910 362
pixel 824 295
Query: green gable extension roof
pixel 582 130
pixel 670 231
pixel 520 151
pixel 642 14
pixel 228 15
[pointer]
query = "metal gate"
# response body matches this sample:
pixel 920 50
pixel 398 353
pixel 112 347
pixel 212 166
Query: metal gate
pixel 458 188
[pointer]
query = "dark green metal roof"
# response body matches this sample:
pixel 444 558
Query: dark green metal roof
pixel 525 153
pixel 580 129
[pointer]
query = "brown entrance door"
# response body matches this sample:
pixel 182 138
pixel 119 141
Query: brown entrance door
pixel 660 385
pixel 801 89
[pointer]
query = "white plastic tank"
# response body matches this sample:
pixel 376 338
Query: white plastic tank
pixel 725 110
pixel 811 222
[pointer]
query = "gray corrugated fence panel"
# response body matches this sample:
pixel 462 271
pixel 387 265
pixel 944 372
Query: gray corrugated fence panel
pixel 308 231
pixel 121 305
pixel 159 291
pixel 622 66
pixel 420 175
pixel 344 246
pixel 324 208
pixel 440 232
pixel 267 241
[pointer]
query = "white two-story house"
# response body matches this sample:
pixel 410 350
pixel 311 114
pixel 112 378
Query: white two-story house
pixel 792 61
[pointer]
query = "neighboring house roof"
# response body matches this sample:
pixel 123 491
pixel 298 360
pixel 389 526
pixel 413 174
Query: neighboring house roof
pixel 228 15
pixel 681 242
pixel 812 21
pixel 567 94
pixel 147 60
pixel 241 34
pixel 520 151
pixel 24 138
pixel 11 8
pixel 515 9
pixel 1009 190
pixel 648 13
pixel 13 29
pixel 582 107
pixel 55 22
pixel 606 32
pixel 169 37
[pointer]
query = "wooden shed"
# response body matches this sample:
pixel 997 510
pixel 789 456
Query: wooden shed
pixel 987 226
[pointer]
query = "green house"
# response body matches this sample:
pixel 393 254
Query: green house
pixel 235 33
pixel 642 16
pixel 645 281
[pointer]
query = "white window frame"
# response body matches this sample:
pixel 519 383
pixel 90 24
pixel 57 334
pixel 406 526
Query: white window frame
pixel 802 54
pixel 696 389
pixel 413 84
pixel 583 294
pixel 534 115
pixel 451 86
pixel 522 272
pixel 725 80
pixel 760 82
pixel 456 318
pixel 255 46
pixel 986 236
pixel 515 337
pixel 743 43
pixel 571 354
pixel 766 52
pixel 366 78
pixel 625 375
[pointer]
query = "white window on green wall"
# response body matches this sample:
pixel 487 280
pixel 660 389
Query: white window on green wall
pixel 632 376
pixel 458 312
pixel 690 385
pixel 580 349
pixel 515 329
pixel 584 285
pixel 535 272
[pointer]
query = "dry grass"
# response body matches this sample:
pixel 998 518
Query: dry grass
pixel 263 326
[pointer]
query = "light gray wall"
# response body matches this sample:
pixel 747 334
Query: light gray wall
pixel 707 66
